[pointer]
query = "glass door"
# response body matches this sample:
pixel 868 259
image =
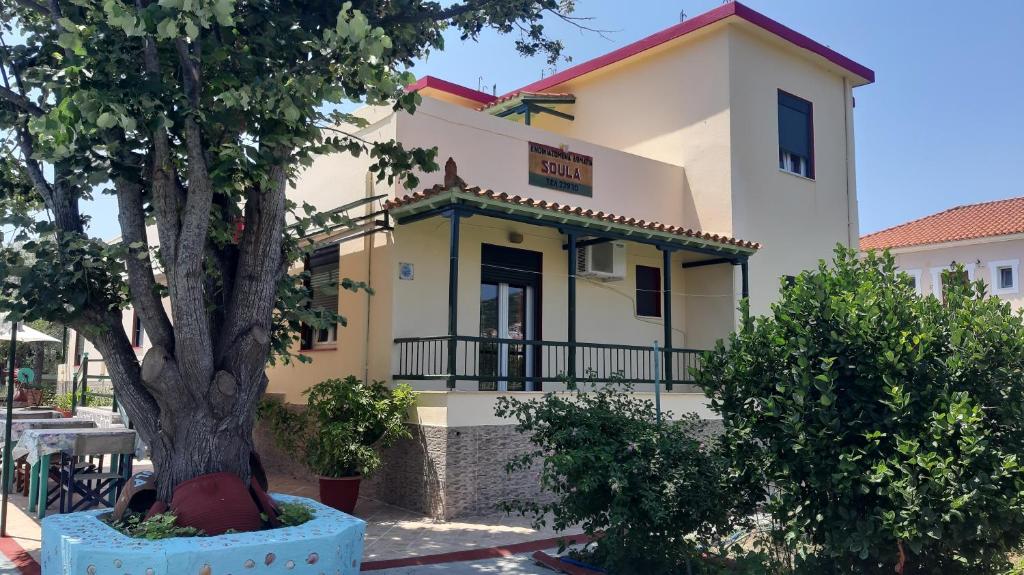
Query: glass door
pixel 506 316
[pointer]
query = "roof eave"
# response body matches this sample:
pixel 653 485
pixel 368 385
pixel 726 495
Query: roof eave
pixel 456 196
pixel 722 13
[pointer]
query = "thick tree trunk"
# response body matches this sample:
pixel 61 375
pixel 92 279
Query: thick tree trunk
pixel 191 430
pixel 202 444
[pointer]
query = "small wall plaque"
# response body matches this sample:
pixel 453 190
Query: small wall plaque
pixel 406 271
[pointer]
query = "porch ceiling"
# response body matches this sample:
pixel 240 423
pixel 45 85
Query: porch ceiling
pixel 438 199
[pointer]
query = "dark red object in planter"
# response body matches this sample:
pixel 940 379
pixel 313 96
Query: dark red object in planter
pixel 215 503
pixel 340 493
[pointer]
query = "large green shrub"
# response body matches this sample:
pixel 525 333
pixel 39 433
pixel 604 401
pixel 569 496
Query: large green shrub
pixel 649 492
pixel 885 430
pixel 345 424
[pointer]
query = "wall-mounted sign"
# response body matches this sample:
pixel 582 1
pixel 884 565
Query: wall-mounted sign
pixel 406 271
pixel 561 170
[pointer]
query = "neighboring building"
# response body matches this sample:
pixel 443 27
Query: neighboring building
pixel 986 238
pixel 652 160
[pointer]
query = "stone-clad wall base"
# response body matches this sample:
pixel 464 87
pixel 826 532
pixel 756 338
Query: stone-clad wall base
pixel 449 472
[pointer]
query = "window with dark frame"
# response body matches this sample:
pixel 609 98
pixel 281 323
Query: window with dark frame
pixel 323 267
pixel 648 291
pixel 796 135
pixel 138 332
pixel 1006 277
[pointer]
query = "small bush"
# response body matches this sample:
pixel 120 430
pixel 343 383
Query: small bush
pixel 344 426
pixel 160 526
pixel 291 514
pixel 651 494
pixel 885 431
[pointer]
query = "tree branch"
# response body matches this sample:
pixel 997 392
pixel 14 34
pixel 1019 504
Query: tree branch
pixel 106 332
pixel 193 340
pixel 34 6
pixel 166 191
pixel 141 279
pixel 20 101
pixel 246 332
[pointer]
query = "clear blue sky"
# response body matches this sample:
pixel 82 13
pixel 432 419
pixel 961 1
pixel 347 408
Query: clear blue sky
pixel 942 125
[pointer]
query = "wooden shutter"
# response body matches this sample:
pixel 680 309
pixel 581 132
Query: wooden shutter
pixel 795 125
pixel 323 265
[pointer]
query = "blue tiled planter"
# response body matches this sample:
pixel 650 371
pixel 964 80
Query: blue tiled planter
pixel 330 544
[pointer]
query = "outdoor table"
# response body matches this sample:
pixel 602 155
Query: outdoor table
pixel 20 425
pixel 34 414
pixel 39 444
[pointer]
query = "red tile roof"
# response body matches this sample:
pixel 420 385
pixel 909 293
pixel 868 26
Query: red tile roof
pixel 998 218
pixel 437 190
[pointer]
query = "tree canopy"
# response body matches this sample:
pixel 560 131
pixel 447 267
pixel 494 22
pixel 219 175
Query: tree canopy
pixel 197 115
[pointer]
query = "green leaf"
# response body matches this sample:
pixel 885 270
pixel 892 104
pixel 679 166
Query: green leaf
pixel 106 120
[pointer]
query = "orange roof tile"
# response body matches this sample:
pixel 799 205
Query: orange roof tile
pixel 998 218
pixel 574 210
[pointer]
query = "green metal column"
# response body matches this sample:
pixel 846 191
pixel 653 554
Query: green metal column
pixel 453 294
pixel 8 469
pixel 571 323
pixel 745 272
pixel 85 380
pixel 666 311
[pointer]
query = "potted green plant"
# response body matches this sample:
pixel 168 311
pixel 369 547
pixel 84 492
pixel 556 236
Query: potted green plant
pixel 62 403
pixel 341 432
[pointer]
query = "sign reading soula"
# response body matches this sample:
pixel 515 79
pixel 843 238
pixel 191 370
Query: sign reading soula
pixel 561 170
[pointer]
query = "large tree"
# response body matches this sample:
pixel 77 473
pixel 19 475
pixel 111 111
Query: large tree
pixel 197 115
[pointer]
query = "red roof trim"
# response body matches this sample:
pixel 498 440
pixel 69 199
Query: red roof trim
pixel 451 88
pixel 687 26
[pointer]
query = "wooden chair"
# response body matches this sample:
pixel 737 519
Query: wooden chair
pixel 87 478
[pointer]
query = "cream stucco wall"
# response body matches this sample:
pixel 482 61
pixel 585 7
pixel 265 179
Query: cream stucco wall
pixel 797 220
pixel 670 104
pixel 708 101
pixel 975 255
pixel 493 153
pixel 469 409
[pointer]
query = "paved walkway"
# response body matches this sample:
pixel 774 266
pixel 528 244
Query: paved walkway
pixel 494 543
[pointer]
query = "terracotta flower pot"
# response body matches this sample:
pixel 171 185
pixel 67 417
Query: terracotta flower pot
pixel 341 493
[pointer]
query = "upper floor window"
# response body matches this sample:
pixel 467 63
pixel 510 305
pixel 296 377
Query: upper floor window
pixel 648 291
pixel 323 282
pixel 796 135
pixel 1004 277
pixel 138 332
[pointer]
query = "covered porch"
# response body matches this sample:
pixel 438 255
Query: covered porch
pixel 520 334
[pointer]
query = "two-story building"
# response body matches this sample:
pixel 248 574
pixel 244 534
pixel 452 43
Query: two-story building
pixel 633 198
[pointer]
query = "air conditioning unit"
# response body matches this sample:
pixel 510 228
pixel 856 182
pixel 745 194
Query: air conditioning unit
pixel 605 261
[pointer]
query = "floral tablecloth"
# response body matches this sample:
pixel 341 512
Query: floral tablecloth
pixel 18 426
pixel 35 443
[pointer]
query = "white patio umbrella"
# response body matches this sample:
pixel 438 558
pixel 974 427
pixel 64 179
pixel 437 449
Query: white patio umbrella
pixel 14 333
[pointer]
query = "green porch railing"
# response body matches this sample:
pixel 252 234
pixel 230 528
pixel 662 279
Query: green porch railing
pixel 524 364
pixel 86 389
